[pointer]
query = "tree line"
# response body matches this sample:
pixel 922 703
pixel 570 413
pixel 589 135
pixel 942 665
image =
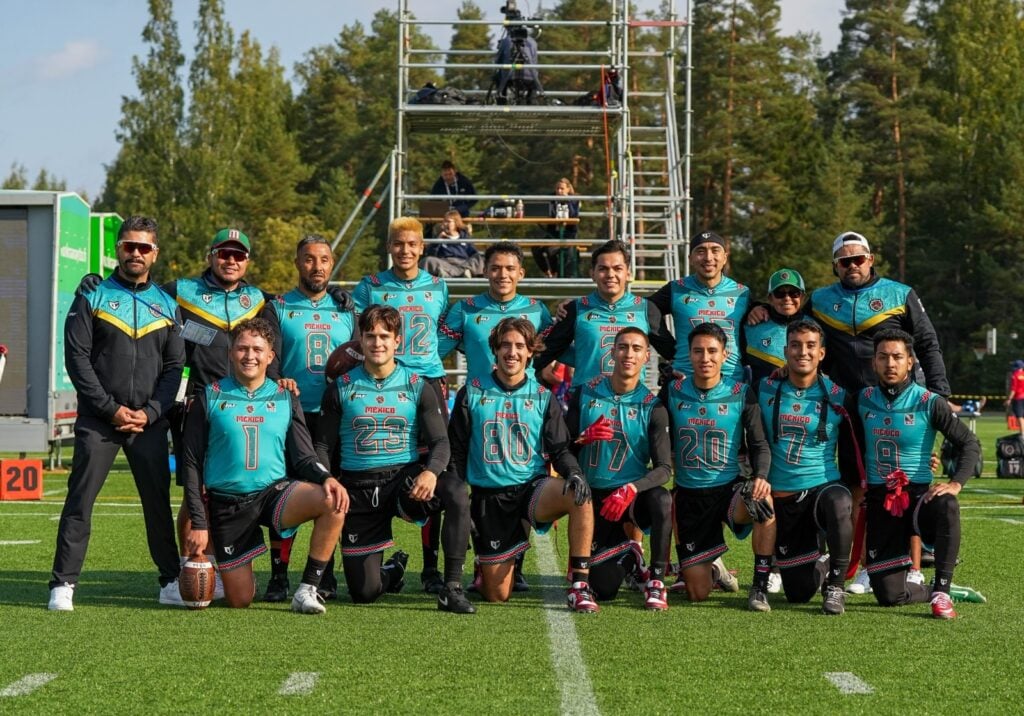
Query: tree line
pixel 910 132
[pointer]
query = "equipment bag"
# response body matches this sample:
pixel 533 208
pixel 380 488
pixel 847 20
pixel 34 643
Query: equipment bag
pixel 1010 456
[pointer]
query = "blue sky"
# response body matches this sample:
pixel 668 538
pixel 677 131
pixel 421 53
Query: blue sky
pixel 65 64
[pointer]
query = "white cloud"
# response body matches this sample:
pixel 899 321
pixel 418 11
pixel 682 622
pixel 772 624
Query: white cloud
pixel 76 56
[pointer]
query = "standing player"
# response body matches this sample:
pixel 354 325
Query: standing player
pixel 898 420
pixel 591 323
pixel 705 296
pixel 380 412
pixel 803 414
pixel 421 299
pixel 766 340
pixel 626 457
pixel 504 428
pixel 247 446
pixel 124 355
pixel 311 323
pixel 1015 399
pixel 712 417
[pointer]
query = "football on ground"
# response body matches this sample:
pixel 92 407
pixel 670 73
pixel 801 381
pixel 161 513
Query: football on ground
pixel 196 583
pixel 344 358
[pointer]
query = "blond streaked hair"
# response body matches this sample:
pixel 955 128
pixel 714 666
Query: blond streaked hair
pixel 404 223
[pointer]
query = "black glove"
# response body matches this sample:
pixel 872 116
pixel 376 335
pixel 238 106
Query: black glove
pixel 577 484
pixel 341 297
pixel 88 284
pixel 760 510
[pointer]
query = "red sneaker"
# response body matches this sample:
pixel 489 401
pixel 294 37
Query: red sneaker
pixel 655 596
pixel 581 599
pixel 942 606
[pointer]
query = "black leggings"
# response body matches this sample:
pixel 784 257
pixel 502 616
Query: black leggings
pixel 832 511
pixel 653 508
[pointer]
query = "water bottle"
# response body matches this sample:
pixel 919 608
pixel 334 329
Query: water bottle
pixel 519 209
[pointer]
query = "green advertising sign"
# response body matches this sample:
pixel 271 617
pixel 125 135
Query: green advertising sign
pixel 103 252
pixel 72 262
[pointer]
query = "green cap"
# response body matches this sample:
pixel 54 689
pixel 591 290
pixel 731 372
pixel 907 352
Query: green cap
pixel 785 277
pixel 230 236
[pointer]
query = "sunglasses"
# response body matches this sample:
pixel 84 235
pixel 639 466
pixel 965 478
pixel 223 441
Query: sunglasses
pixel 848 261
pixel 131 247
pixel 228 254
pixel 781 293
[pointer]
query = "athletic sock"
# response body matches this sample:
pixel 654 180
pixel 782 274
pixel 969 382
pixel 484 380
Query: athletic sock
pixel 314 571
pixel 453 570
pixel 280 556
pixel 762 570
pixel 519 563
pixel 943 580
pixel 580 567
pixel 658 570
pixel 430 536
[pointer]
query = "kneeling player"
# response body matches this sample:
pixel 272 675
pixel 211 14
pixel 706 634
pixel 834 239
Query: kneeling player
pixel 380 411
pixel 244 436
pixel 898 419
pixel 503 429
pixel 628 430
pixel 711 418
pixel 804 414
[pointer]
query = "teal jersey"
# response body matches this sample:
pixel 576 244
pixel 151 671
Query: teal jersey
pixel 608 464
pixel 247 433
pixel 134 313
pixel 765 347
pixel 421 302
pixel 596 324
pixel 899 434
pixel 799 460
pixel 379 428
pixel 507 430
pixel 470 321
pixel 691 303
pixel 854 312
pixel 707 431
pixel 310 331
pixel 219 308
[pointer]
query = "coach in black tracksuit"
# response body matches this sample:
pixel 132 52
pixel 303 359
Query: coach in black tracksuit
pixel 124 355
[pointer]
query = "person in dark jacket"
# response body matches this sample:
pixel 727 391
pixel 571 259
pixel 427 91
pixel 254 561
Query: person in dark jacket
pixel 456 187
pixel 124 354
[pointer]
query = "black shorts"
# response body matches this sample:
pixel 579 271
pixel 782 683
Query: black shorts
pixel 374 500
pixel 610 540
pixel 888 537
pixel 500 516
pixel 1017 408
pixel 797 528
pixel 235 522
pixel 700 514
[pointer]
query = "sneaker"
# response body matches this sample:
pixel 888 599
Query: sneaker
pixel 835 600
pixel 581 599
pixel 757 601
pixel 966 594
pixel 942 606
pixel 478 578
pixel 722 577
pixel 61 598
pixel 170 595
pixel 519 583
pixel 680 584
pixel 432 581
pixel 861 583
pixel 277 589
pixel 395 567
pixel 218 586
pixel 637 578
pixel 452 599
pixel 328 588
pixel 655 596
pixel 307 601
pixel 915 576
pixel 774 583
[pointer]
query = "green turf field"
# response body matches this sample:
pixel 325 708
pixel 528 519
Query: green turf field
pixel 120 651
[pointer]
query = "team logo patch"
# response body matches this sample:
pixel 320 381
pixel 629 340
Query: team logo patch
pixel 292 314
pixel 835 308
pixel 485 401
pixel 689 299
pixel 353 538
pixel 245 301
pixel 817 408
pixel 730 302
pixel 428 296
pixel 887 421
pixel 723 409
pixel 591 316
pixel 614 412
pixel 480 319
pixel 690 546
pixel 249 408
pixel 632 413
pixel 403 397
pixel 766 342
pixel 869 416
pixel 631 317
pixel 207 297
pixel 380 398
pixel 508 405
pixel 154 312
pixel 908 419
pixel 711 303
pixel 272 406
pixel 702 410
pixel 771 401
pixel 114 305
pixel 797 407
pixel 229 549
pixel 872 553
pixel 410 298
pixel 875 304
pixel 387 296
pixel 593 403
pixel 783 549
pixel 495 543
pixel 316 316
pixel 529 404
pixel 225 405
pixel 682 406
pixel 611 319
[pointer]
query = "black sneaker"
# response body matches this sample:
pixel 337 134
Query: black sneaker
pixel 277 589
pixel 395 567
pixel 519 584
pixel 328 588
pixel 452 599
pixel 835 600
pixel 432 581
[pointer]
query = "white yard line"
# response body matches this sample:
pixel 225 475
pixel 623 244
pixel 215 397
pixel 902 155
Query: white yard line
pixel 27 684
pixel 299 683
pixel 992 507
pixel 848 682
pixel 5 542
pixel 566 652
pixel 28 503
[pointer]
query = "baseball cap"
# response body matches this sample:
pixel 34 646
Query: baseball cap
pixel 785 277
pixel 707 237
pixel 850 237
pixel 230 236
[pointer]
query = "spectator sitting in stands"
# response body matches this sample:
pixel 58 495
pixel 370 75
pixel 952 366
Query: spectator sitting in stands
pixel 560 259
pixel 455 257
pixel 457 187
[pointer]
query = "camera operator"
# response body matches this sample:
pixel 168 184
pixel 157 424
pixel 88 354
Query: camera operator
pixel 517 46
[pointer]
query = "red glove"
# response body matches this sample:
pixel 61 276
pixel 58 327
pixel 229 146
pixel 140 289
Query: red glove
pixel 896 500
pixel 600 430
pixel 617 502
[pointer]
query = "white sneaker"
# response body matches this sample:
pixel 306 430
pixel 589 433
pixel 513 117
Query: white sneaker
pixel 774 583
pixel 169 594
pixel 60 598
pixel 915 576
pixel 861 583
pixel 307 600
pixel 726 581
